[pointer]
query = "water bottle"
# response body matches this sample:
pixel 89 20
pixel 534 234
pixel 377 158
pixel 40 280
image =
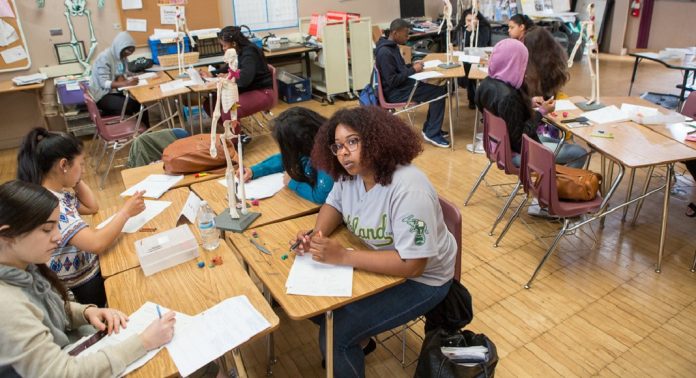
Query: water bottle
pixel 206 225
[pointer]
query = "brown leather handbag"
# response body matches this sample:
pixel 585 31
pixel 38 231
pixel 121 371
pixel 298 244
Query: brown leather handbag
pixel 192 155
pixel 576 184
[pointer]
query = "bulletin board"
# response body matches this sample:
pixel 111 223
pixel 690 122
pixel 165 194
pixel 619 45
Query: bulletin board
pixel 200 14
pixel 15 48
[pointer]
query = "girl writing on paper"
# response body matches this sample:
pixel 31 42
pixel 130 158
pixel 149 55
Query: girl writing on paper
pixel 390 204
pixel 505 95
pixel 38 320
pixel 109 73
pixel 56 161
pixel 294 130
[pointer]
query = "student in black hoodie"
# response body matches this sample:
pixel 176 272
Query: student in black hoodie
pixel 397 86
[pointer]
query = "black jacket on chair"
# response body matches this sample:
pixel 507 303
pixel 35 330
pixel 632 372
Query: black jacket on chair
pixel 392 67
pixel 506 102
pixel 254 73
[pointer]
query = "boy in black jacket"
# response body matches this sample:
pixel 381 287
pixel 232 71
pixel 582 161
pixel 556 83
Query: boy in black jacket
pixel 397 86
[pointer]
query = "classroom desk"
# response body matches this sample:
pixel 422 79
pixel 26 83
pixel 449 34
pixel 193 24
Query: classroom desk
pixel 207 87
pixel 121 255
pixel 151 93
pixel 273 273
pixel 282 206
pixel 8 87
pixel 676 64
pixel 633 146
pixel 260 148
pixel 189 289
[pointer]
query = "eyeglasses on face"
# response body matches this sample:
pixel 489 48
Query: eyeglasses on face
pixel 351 144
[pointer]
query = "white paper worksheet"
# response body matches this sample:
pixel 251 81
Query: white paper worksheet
pixel 152 209
pixel 607 114
pixel 262 187
pixel 426 75
pixel 154 185
pixel 309 277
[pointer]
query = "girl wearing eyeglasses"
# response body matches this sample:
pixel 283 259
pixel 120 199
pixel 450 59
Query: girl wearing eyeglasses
pixel 393 208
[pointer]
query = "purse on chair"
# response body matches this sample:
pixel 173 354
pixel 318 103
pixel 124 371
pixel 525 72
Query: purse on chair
pixel 192 155
pixel 576 184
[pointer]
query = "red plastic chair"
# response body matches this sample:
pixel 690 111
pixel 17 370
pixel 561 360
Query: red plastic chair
pixel 112 132
pixel 394 107
pixel 689 108
pixel 496 144
pixel 259 100
pixel 538 176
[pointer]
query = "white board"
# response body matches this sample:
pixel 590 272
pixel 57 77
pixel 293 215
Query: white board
pixel 266 14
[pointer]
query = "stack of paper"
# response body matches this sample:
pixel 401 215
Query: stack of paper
pixel 431 63
pixel 426 75
pixel 29 79
pixel 262 187
pixel 607 114
pixel 312 278
pixel 147 75
pixel 213 332
pixel 562 105
pixel 154 185
pixel 152 209
pixel 172 86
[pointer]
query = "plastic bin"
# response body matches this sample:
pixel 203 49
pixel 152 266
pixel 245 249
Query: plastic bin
pixel 166 249
pixel 293 88
pixel 69 93
pixel 158 48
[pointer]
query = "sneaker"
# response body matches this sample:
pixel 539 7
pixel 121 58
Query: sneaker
pixel 477 150
pixel 437 140
pixel 537 211
pixel 444 133
pixel 479 136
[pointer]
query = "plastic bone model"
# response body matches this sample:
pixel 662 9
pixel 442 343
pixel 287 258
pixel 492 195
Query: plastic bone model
pixel 473 38
pixel 447 19
pixel 181 30
pixel 228 97
pixel 587 32
pixel 78 8
pixel 41 3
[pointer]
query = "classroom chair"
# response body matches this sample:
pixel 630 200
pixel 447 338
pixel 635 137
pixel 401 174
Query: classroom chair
pixel 394 107
pixel 453 220
pixel 538 176
pixel 496 144
pixel 112 133
pixel 259 101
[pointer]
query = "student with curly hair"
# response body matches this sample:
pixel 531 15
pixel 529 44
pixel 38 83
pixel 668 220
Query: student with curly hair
pixel 294 131
pixel 389 204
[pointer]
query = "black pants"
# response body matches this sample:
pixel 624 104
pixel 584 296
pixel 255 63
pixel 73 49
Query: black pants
pixel 112 104
pixel 470 84
pixel 91 292
pixel 424 92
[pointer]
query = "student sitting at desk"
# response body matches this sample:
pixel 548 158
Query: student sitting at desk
pixel 294 131
pixel 109 73
pixel 470 24
pixel 397 86
pixel 519 25
pixel 388 203
pixel 56 161
pixel 504 94
pixel 37 319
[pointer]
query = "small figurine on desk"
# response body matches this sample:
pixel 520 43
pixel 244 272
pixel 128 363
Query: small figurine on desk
pixel 232 219
pixel 447 19
pixel 587 32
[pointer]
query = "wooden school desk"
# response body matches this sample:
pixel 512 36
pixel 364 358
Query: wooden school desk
pixel 7 87
pixel 633 146
pixel 677 64
pixel 152 94
pixel 189 289
pixel 273 273
pixel 121 255
pixel 260 148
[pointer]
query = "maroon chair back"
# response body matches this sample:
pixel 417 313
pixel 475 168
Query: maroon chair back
pixel 275 88
pixel 496 143
pixel 453 221
pixel 383 103
pixel 94 113
pixel 689 108
pixel 538 174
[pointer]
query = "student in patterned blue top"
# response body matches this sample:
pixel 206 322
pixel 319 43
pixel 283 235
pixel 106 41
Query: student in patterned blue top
pixel 390 204
pixel 294 131
pixel 56 161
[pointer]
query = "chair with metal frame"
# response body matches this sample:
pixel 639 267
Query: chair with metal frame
pixel 395 107
pixel 453 221
pixel 256 101
pixel 538 176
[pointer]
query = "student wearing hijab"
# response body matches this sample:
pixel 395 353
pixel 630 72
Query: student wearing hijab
pixel 109 73
pixel 504 94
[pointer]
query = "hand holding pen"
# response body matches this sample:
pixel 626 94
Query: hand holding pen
pixel 301 244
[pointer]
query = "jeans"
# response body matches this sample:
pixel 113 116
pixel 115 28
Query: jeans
pixel 424 92
pixel 112 104
pixel 470 84
pixel 571 154
pixel 371 316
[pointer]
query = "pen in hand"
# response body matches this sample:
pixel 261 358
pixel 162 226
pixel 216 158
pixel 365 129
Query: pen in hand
pixel 297 243
pixel 159 312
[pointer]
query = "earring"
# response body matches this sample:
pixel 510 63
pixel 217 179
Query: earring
pixel 65 171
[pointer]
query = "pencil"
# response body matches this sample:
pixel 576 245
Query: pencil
pixel 297 243
pixel 159 312
pixel 148 229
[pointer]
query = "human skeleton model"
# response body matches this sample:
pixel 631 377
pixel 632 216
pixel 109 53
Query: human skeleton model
pixel 41 3
pixel 447 18
pixel 228 97
pixel 473 38
pixel 181 31
pixel 78 8
pixel 587 32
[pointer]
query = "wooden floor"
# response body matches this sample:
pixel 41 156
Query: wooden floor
pixel 597 307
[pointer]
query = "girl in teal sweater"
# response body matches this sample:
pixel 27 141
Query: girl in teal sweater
pixel 294 131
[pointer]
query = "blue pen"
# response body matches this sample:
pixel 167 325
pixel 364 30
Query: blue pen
pixel 159 312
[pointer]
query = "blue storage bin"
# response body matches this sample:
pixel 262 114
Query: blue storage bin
pixel 70 97
pixel 292 88
pixel 158 48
